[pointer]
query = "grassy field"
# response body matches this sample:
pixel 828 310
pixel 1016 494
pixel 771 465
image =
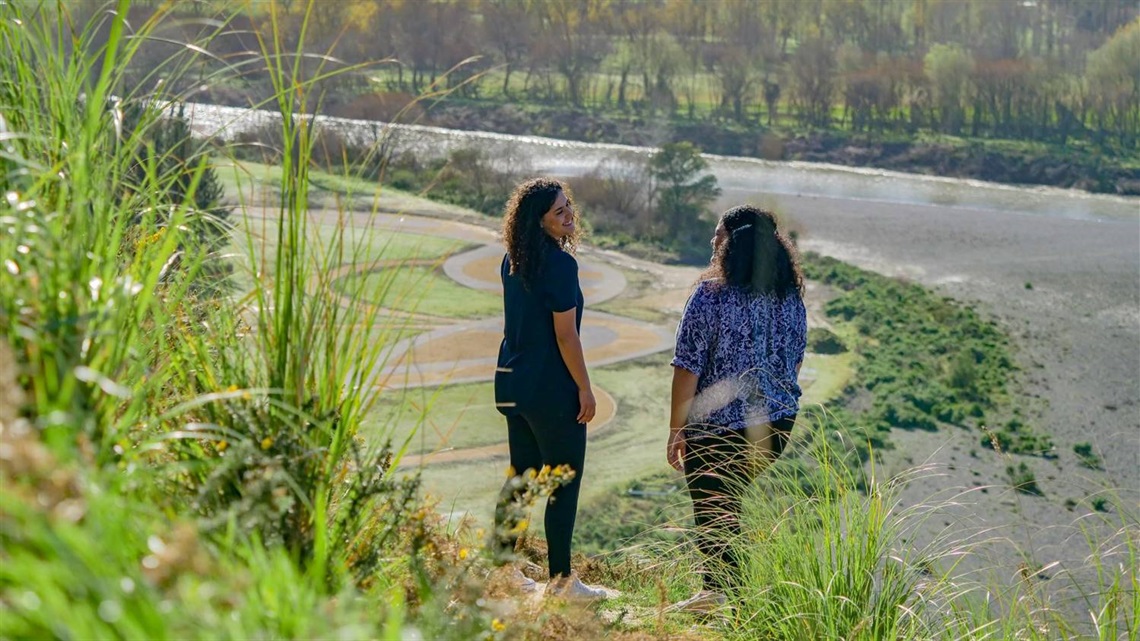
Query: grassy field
pixel 435 293
pixel 257 184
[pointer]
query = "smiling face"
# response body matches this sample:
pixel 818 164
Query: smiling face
pixel 718 236
pixel 558 221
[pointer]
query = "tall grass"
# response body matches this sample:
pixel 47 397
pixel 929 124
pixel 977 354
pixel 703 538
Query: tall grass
pixel 842 558
pixel 161 412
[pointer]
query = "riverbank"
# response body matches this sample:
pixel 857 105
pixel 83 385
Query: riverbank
pixel 1003 161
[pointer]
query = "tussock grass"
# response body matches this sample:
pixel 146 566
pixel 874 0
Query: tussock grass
pixel 199 445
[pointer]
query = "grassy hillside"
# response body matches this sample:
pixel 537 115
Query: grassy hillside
pixel 185 460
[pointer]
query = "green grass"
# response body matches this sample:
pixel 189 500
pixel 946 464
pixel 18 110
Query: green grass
pixel 201 446
pixel 461 416
pixel 254 182
pixel 636 300
pixel 423 290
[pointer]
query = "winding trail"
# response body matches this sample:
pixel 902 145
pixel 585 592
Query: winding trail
pixel 454 351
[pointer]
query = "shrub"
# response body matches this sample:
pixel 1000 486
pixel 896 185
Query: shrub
pixel 1023 480
pixel 823 341
pixel 1087 457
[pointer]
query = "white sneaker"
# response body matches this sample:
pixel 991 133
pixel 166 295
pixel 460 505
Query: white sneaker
pixel 522 582
pixel 702 602
pixel 571 587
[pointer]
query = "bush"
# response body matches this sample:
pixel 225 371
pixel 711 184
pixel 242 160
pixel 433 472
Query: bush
pixel 1023 480
pixel 823 341
pixel 1087 457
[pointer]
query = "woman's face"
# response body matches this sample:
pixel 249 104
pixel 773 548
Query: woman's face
pixel 718 237
pixel 558 221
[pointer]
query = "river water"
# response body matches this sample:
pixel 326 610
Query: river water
pixel 735 175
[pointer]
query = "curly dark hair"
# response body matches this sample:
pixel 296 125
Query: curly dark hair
pixel 755 255
pixel 523 235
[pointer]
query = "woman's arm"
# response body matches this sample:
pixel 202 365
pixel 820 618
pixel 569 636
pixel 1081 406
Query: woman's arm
pixel 684 389
pixel 570 346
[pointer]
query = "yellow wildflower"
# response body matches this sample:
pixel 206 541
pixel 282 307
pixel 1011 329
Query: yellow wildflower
pixel 221 446
pixel 497 625
pixel 232 388
pixel 519 527
pixel 266 443
pixel 462 554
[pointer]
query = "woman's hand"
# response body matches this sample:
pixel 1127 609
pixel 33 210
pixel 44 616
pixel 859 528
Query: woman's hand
pixel 586 405
pixel 675 450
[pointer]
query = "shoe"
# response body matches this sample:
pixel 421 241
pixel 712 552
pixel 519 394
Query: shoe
pixel 522 582
pixel 570 587
pixel 703 602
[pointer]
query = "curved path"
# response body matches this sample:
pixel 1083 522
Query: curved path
pixel 607 409
pixel 454 351
pixel 479 269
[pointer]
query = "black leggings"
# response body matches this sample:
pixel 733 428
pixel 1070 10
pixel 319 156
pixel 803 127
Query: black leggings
pixel 536 439
pixel 717 471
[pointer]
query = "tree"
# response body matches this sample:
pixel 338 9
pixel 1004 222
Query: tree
pixel 949 68
pixel 509 28
pixel 574 48
pixel 813 67
pixel 166 161
pixel 1113 76
pixel 681 196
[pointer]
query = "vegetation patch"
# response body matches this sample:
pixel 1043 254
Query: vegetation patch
pixel 422 290
pixel 429 420
pixel 927 360
pixel 824 341
pixel 1087 457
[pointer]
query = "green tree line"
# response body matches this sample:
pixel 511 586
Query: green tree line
pixel 1038 70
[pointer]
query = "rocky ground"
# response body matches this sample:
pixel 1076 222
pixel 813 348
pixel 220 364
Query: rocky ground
pixel 1068 293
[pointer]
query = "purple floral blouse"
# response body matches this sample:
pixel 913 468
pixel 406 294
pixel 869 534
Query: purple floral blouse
pixel 744 349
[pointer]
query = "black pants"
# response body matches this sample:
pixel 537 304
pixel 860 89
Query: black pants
pixel 538 438
pixel 718 468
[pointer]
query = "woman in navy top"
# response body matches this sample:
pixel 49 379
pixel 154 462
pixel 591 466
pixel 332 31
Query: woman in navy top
pixel 541 382
pixel 740 344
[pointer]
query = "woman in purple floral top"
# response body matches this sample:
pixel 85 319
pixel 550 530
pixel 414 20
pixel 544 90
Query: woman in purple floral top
pixel 740 344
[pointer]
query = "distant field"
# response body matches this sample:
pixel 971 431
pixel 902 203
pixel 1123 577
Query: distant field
pixel 422 290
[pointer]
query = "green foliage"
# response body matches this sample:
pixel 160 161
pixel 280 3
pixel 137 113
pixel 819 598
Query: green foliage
pixel 824 341
pixel 830 563
pixel 1015 437
pixel 1023 479
pixel 638 513
pixel 1113 78
pixel 682 195
pixel 163 151
pixel 949 67
pixel 927 359
pixel 160 406
pixel 98 564
pixel 1087 457
pixel 423 290
pixel 467 177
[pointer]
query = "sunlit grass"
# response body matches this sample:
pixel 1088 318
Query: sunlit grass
pixel 461 416
pixel 437 295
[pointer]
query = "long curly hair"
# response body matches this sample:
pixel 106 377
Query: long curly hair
pixel 755 255
pixel 527 243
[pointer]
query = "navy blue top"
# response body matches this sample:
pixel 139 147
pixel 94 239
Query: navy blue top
pixel 744 349
pixel 530 369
